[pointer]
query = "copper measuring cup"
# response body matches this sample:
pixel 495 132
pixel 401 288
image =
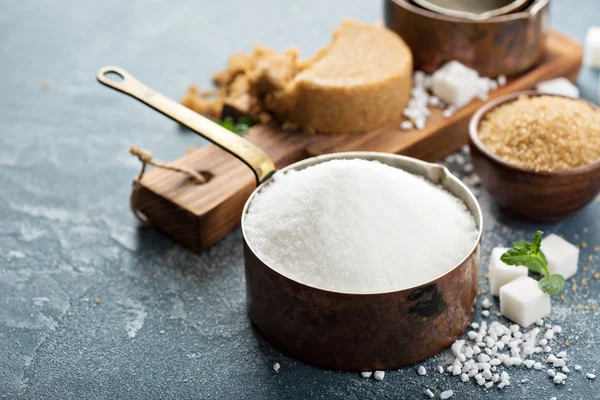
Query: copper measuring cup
pixel 346 331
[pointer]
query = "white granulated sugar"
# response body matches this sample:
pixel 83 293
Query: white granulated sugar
pixel 358 226
pixel 366 374
pixel 446 394
pixel 276 367
pixel 422 371
pixel 379 375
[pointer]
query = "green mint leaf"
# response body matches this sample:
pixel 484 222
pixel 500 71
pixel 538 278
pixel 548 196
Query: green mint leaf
pixel 528 254
pixel 537 241
pixel 522 244
pixel 552 284
pixel 521 256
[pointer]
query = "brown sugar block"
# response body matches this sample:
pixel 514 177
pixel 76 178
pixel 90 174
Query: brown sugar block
pixel 361 81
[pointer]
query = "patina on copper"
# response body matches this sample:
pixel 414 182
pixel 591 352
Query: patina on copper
pixel 361 332
pixel 503 45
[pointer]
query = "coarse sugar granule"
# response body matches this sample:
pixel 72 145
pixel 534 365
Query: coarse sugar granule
pixel 543 133
pixel 358 226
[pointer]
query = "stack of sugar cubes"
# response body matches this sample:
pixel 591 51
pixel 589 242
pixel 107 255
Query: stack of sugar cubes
pixel 521 299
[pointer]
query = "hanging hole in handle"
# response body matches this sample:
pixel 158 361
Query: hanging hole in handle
pixel 114 76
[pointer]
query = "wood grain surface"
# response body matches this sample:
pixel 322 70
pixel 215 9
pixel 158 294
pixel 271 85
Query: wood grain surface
pixel 200 215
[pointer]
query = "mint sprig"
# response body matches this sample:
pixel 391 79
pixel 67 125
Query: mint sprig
pixel 530 255
pixel 239 127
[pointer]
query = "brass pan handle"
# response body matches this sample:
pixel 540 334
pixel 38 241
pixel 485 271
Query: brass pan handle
pixel 249 154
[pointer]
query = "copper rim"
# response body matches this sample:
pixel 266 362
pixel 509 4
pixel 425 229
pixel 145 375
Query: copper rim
pixel 370 155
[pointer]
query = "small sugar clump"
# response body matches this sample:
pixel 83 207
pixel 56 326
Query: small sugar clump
pixel 358 226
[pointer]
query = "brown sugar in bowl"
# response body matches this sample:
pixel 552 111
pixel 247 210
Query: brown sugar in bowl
pixel 539 196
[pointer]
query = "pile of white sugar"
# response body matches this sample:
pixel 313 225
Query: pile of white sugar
pixel 358 226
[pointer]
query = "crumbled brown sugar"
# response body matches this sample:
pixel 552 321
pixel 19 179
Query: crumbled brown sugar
pixel 543 133
pixel 362 80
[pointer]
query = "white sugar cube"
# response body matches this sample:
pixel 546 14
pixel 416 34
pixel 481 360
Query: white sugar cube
pixel 500 273
pixel 592 47
pixel 560 86
pixel 455 84
pixel 562 256
pixel 523 302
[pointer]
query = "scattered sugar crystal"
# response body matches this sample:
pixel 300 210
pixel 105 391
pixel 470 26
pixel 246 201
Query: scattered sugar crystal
pixel 468 352
pixel 483 358
pixel 422 371
pixel 456 347
pixel 406 125
pixel 563 257
pixel 559 362
pixel 557 329
pixel 379 375
pixel 276 367
pixel 446 394
pixel 474 325
pixel 448 112
pixel 501 80
pixel 592 47
pixel 560 86
pixel 464 377
pixel 428 393
pixel 485 303
pixel 537 366
pixel 551 373
pixel 529 363
pixel 578 368
pixel 489 385
pixel 557 379
pixel 440 369
pixel 499 273
pixel 434 101
pixel 523 301
pixel 565 369
pixel 551 358
pixel 543 342
pixel 303 222
pixel 539 322
pixel 562 354
pixel 547 349
pixel 485 313
pixel 590 376
pixel 366 374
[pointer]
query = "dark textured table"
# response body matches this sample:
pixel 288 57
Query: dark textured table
pixel 91 305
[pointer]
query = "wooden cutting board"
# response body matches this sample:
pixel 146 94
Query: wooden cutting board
pixel 199 215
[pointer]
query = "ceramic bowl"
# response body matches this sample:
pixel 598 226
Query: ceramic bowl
pixel 531 195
